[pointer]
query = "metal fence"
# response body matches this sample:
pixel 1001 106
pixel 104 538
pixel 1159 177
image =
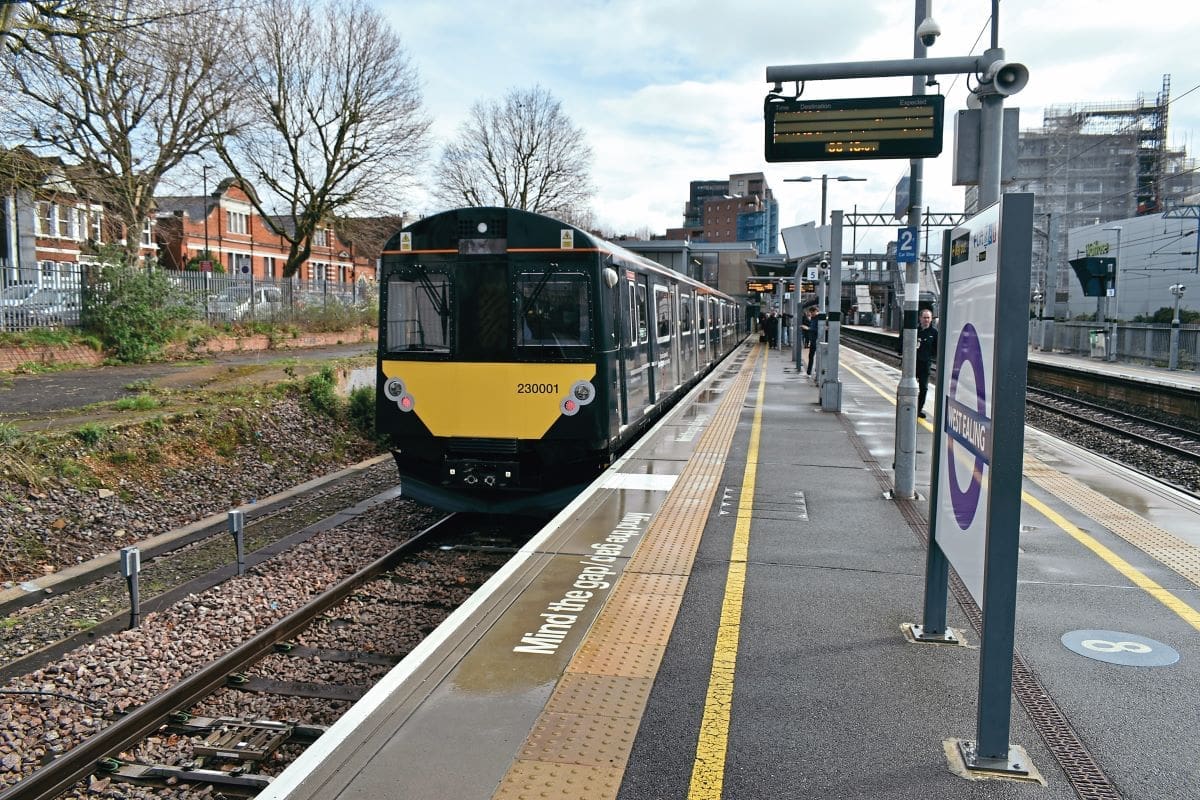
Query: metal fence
pixel 54 299
pixel 1137 343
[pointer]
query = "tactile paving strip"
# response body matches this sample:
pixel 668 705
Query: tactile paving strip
pixel 537 780
pixel 577 693
pixel 593 715
pixel 1163 546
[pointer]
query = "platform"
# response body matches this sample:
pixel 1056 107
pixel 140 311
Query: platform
pixel 722 616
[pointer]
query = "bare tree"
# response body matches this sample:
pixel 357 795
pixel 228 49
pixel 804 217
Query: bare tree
pixel 126 97
pixel 337 118
pixel 522 152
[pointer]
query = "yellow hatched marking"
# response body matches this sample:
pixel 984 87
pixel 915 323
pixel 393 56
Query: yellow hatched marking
pixel 708 771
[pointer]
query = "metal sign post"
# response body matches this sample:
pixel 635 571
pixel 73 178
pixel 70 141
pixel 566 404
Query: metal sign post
pixel 831 386
pixel 130 565
pixel 237 522
pixel 977 518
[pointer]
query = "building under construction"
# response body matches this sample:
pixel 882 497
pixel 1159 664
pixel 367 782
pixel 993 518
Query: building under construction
pixel 1098 162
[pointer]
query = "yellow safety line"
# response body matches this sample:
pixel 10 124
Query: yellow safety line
pixel 708 772
pixel 1181 609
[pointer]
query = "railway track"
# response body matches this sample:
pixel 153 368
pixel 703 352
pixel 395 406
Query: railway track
pixel 1147 442
pixel 41 626
pixel 302 671
pixel 1173 439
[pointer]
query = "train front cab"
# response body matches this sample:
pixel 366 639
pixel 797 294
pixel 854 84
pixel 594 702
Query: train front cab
pixel 493 372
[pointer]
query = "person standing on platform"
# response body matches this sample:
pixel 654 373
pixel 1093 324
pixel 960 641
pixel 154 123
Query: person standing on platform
pixel 808 328
pixel 785 327
pixel 771 328
pixel 927 345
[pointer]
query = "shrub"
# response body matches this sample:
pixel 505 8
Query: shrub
pixel 91 433
pixel 362 410
pixel 321 389
pixel 133 311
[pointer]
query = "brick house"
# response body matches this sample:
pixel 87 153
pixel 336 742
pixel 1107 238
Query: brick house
pixel 48 227
pixel 225 225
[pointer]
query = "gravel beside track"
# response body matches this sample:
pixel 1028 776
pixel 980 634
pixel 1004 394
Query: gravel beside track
pixel 50 710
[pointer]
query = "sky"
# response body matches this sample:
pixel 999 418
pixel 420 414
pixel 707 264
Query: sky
pixel 668 92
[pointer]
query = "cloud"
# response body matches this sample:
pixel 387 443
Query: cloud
pixel 671 91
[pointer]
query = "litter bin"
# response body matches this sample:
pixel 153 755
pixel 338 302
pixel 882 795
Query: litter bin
pixel 1096 343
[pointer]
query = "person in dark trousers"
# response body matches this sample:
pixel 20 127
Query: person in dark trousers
pixel 808 329
pixel 927 345
pixel 785 327
pixel 771 328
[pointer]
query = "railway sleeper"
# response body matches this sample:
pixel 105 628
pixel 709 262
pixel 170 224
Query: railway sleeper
pixel 322 691
pixel 340 656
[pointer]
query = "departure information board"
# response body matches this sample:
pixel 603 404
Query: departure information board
pixel 857 128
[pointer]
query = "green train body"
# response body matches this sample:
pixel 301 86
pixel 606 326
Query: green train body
pixel 518 355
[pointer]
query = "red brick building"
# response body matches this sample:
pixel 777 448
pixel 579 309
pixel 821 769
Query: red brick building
pixel 238 240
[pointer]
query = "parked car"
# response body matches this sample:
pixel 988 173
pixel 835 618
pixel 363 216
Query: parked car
pixel 43 308
pixel 239 303
pixel 15 294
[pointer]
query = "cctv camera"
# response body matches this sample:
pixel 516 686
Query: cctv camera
pixel 928 31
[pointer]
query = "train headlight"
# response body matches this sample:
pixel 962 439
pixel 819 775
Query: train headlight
pixel 583 392
pixel 394 389
pixel 569 407
pixel 405 403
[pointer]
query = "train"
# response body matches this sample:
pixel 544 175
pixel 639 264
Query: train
pixel 519 355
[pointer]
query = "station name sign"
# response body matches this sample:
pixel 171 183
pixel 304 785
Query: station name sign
pixel 857 128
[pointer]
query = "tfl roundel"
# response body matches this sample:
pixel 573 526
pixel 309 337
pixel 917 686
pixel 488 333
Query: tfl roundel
pixel 967 426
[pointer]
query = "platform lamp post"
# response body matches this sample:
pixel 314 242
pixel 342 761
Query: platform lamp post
pixel 1110 346
pixel 1177 289
pixel 1039 304
pixel 824 179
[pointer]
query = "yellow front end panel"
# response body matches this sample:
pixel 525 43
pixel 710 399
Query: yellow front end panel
pixel 489 401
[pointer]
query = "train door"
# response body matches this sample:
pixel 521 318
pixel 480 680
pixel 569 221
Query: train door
pixel 664 365
pixel 639 391
pixel 676 363
pixel 701 331
pixel 714 329
pixel 687 335
pixel 610 294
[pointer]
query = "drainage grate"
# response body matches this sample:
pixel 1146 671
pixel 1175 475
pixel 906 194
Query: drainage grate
pixel 1087 778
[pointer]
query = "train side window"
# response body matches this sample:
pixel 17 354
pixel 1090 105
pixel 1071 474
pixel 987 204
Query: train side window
pixel 685 313
pixel 418 313
pixel 662 306
pixel 555 311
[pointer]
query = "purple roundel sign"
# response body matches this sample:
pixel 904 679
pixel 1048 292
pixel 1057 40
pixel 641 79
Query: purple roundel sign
pixel 968 427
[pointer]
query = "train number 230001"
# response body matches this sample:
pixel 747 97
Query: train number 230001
pixel 537 388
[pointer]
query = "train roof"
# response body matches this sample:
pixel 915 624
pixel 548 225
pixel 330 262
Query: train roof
pixel 482 230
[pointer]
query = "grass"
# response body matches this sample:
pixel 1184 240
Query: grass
pixel 142 402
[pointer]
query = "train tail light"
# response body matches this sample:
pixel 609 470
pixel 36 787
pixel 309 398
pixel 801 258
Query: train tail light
pixel 395 391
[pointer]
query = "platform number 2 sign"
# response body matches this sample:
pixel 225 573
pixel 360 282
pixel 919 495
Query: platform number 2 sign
pixel 906 245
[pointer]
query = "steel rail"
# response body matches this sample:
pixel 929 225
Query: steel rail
pixel 76 764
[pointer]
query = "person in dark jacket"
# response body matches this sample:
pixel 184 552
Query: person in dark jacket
pixel 808 329
pixel 771 328
pixel 927 345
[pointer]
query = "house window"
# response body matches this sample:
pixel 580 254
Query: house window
pixel 269 267
pixel 45 218
pixel 147 234
pixel 237 222
pixel 321 237
pixel 62 217
pixel 97 219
